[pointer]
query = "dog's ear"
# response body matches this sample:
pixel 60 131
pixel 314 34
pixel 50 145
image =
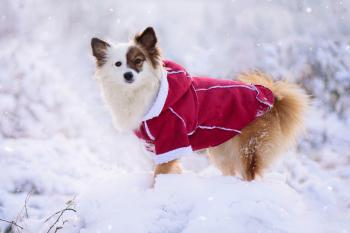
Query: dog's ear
pixel 99 50
pixel 147 38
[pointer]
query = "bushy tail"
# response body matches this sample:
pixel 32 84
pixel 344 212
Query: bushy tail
pixel 290 105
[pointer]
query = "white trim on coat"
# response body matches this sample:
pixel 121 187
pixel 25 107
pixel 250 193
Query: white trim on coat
pixel 159 103
pixel 218 127
pixel 226 86
pixel 214 127
pixel 250 87
pixel 261 100
pixel 176 72
pixel 176 114
pixel 179 72
pixel 148 131
pixel 172 155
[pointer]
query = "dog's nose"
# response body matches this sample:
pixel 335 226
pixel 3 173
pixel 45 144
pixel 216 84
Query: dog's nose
pixel 128 77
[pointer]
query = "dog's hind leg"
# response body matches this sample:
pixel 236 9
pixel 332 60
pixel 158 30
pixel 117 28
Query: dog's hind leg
pixel 250 164
pixel 224 157
pixel 259 145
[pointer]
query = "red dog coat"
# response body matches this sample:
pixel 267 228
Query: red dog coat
pixel 192 113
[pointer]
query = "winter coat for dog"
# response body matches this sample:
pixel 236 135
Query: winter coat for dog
pixel 193 113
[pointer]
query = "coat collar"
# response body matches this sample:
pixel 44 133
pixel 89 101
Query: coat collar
pixel 175 82
pixel 159 103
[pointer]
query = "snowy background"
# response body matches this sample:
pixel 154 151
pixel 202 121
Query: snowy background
pixel 57 142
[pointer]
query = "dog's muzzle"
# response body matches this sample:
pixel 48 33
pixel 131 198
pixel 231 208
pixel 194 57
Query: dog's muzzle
pixel 129 77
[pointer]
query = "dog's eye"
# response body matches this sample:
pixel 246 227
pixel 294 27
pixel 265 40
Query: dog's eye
pixel 138 61
pixel 118 63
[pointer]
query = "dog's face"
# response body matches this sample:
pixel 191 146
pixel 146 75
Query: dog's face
pixel 127 63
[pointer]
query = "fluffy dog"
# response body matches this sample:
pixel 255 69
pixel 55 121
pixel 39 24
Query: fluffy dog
pixel 244 124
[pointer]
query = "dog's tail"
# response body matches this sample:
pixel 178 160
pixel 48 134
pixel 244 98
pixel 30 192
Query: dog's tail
pixel 290 105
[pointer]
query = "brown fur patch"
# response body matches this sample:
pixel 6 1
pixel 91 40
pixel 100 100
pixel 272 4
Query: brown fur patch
pixel 252 167
pixel 254 143
pixel 99 49
pixel 147 41
pixel 135 58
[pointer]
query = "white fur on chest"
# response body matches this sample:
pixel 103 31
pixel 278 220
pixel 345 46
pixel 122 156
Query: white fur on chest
pixel 128 106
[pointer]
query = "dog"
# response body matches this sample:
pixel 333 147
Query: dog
pixel 244 124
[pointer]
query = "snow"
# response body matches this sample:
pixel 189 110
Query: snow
pixel 57 140
pixel 203 204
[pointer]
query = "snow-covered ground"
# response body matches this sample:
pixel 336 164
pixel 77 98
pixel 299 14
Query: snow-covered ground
pixel 58 144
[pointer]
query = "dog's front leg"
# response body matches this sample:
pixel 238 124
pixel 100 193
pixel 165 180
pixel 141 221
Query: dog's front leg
pixel 172 167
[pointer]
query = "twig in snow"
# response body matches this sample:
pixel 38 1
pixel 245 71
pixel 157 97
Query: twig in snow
pixel 20 214
pixel 13 223
pixel 60 227
pixel 61 212
pixel 26 201
pixel 24 210
pixel 57 229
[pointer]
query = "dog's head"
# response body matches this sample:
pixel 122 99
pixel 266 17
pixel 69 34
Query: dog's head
pixel 127 63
